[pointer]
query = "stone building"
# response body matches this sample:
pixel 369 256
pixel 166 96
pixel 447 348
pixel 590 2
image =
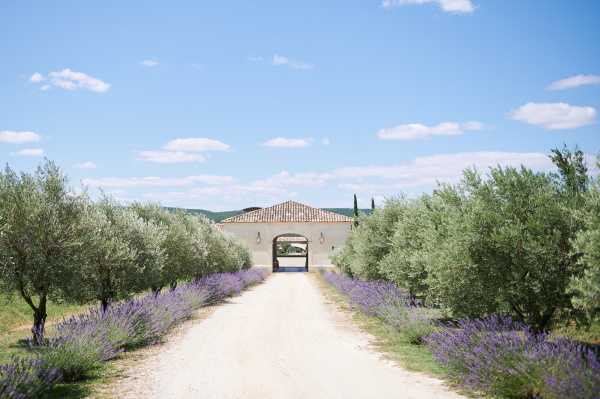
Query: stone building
pixel 313 233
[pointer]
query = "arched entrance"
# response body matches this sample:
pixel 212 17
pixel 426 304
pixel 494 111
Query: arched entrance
pixel 290 253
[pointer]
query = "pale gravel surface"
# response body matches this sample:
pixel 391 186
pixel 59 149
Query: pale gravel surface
pixel 280 339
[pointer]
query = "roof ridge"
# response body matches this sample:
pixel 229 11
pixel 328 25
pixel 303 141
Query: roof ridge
pixel 288 211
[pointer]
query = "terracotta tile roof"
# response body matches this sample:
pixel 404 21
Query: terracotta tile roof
pixel 289 212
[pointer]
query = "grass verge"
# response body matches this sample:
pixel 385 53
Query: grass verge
pixel 16 318
pixel 390 342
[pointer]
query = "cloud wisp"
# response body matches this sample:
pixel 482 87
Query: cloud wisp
pixel 183 150
pixel 285 142
pixel 280 60
pixel 416 131
pixel 86 165
pixel 150 63
pixel 451 6
pixel 154 181
pixel 14 137
pixel 574 81
pixel 30 152
pixel 196 144
pixel 169 157
pixel 554 116
pixel 68 79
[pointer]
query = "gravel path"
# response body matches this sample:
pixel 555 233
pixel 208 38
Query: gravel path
pixel 280 339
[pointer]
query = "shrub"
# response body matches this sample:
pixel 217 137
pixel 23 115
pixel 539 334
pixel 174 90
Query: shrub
pixel 586 286
pixel 26 378
pixel 507 359
pixel 84 342
pixel 406 263
pixel 418 324
pixel 369 242
pixel 387 302
pixel 80 349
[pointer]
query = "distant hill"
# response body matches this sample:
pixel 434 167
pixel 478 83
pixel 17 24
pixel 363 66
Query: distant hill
pixel 219 216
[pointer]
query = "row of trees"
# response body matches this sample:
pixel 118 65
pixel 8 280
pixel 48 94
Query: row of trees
pixel 56 244
pixel 513 242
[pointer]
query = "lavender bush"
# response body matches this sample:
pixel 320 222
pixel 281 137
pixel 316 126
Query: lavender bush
pixel 507 359
pixel 386 301
pixel 84 342
pixel 26 378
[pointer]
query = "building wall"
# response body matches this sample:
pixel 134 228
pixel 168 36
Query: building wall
pixel 334 235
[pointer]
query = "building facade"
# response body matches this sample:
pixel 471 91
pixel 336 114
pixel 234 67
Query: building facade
pixel 260 230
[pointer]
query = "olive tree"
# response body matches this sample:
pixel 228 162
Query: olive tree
pixel 40 237
pixel 510 248
pixel 109 271
pixel 586 287
pixel 182 251
pixel 406 263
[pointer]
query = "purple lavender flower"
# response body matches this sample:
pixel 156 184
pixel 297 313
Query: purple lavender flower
pixel 26 378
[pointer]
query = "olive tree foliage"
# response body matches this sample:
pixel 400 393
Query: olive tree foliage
pixel 108 269
pixel 192 246
pixel 586 287
pixel 370 241
pixel 512 241
pixel 122 254
pixel 516 246
pixel 40 237
pixel 407 262
pixel 182 249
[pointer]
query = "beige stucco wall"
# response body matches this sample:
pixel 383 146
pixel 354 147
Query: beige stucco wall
pixel 334 234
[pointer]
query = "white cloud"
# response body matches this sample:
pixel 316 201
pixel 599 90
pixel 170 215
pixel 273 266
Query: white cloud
pixel 36 78
pixel 554 115
pixel 12 137
pixel 428 170
pixel 168 157
pixel 154 181
pixel 71 80
pixel 283 142
pixel 149 63
pixel 86 165
pixel 255 58
pixel 413 176
pixel 419 174
pixel 452 6
pixel 31 152
pixel 45 87
pixel 473 126
pixel 325 141
pixel 196 144
pixel 279 60
pixel 574 81
pixel 183 150
pixel 413 131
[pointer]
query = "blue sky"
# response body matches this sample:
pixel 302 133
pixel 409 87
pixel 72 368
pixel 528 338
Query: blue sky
pixel 223 105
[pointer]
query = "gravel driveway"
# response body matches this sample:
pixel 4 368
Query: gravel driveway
pixel 280 340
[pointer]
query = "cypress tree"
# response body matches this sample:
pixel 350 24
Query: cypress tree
pixel 372 203
pixel 355 211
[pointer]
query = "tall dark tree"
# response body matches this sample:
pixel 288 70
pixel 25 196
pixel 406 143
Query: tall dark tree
pixel 372 204
pixel 355 211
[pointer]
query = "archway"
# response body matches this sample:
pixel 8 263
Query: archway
pixel 290 253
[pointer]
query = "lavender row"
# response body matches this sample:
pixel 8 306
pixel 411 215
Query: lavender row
pixel 84 342
pixel 389 303
pixel 496 355
pixel 507 359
